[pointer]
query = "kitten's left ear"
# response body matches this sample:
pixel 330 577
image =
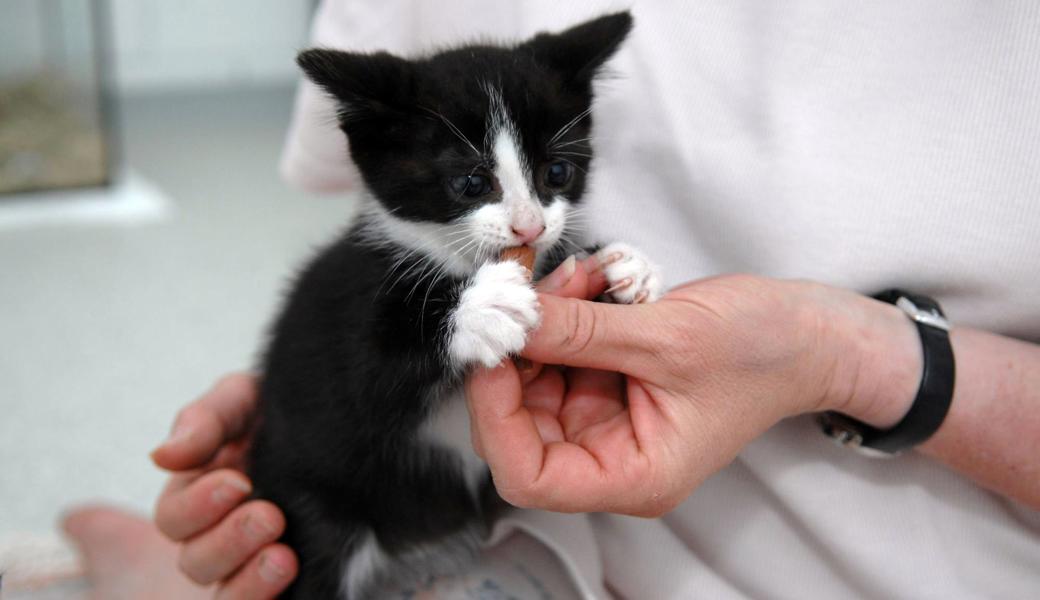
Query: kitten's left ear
pixel 580 51
pixel 363 83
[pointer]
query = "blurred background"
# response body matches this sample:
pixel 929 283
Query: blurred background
pixel 144 232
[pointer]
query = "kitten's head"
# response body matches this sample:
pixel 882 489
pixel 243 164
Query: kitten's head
pixel 477 148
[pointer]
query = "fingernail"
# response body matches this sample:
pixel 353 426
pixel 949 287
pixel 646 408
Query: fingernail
pixel 178 435
pixel 561 276
pixel 592 264
pixel 230 489
pixel 610 259
pixel 256 529
pixel 270 570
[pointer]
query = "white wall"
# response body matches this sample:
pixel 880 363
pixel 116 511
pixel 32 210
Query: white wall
pixel 165 44
pixel 161 44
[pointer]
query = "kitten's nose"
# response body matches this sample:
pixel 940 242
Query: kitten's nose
pixel 528 233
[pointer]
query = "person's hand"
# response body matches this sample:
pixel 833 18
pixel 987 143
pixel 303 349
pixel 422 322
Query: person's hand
pixel 225 538
pixel 657 397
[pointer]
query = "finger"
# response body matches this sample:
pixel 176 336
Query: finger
pixel 504 427
pixel 543 398
pixel 528 370
pixel 222 414
pixel 611 337
pixel 546 392
pixel 548 425
pixel 263 577
pixel 557 476
pixel 593 396
pixel 560 276
pixel 184 511
pixel 231 456
pixel 573 279
pixel 217 553
pixel 597 279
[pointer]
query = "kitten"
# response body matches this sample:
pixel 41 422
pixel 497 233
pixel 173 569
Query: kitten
pixel 363 439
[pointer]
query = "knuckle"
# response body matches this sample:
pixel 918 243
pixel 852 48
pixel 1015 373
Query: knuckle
pixel 234 384
pixel 169 515
pixel 192 566
pixel 580 327
pixel 184 415
pixel 269 515
pixel 163 522
pixel 516 497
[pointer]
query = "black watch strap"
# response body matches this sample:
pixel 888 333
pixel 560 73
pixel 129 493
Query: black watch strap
pixel 934 395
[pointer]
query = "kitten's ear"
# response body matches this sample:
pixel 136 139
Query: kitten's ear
pixel 362 82
pixel 581 50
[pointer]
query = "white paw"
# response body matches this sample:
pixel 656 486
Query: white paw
pixel 494 315
pixel 631 277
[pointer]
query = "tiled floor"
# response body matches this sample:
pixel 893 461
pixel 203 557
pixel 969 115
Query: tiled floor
pixel 106 330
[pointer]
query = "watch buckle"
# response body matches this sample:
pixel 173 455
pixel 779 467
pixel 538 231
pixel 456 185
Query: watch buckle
pixel 845 435
pixel 931 318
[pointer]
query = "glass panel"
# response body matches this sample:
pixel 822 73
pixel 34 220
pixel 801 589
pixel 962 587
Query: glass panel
pixel 52 125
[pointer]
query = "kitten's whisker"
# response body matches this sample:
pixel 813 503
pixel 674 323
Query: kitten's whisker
pixel 576 247
pixel 458 133
pixel 469 243
pixel 418 264
pixel 584 140
pixel 575 165
pixel 441 273
pixel 402 259
pixel 429 269
pixel 461 251
pixel 452 238
pixel 563 130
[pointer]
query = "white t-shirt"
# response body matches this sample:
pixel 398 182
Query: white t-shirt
pixel 864 145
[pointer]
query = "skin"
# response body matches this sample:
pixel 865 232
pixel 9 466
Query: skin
pixel 658 397
pixel 654 399
pixel 224 547
pixel 222 538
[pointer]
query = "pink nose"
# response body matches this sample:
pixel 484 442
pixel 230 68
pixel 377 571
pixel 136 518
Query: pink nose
pixel 528 233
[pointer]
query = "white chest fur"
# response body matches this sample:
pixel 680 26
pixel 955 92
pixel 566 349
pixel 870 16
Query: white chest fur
pixel 448 428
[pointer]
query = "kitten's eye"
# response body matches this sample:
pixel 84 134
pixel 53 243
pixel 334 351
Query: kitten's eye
pixel 558 174
pixel 472 186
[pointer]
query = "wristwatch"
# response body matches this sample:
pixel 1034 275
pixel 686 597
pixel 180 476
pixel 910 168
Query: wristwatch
pixel 934 395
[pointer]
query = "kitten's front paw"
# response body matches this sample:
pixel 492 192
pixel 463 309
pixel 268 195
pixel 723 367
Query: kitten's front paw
pixel 631 277
pixel 494 315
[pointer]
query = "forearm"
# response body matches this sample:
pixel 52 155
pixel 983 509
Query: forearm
pixel 992 432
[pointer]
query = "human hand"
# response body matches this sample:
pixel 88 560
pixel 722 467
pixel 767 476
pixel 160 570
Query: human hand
pixel 657 397
pixel 225 538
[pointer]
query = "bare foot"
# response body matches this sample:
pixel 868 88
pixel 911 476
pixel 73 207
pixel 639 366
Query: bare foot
pixel 126 558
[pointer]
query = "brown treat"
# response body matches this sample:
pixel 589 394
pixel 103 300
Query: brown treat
pixel 521 254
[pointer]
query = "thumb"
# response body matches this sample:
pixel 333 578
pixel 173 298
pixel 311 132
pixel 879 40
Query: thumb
pixel 580 333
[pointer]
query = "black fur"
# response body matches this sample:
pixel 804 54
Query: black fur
pixel 357 360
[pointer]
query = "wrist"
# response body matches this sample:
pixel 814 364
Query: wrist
pixel 878 360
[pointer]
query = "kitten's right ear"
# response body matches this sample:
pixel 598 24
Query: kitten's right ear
pixel 579 52
pixel 361 82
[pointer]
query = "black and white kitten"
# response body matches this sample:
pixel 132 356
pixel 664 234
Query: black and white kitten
pixel 363 438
